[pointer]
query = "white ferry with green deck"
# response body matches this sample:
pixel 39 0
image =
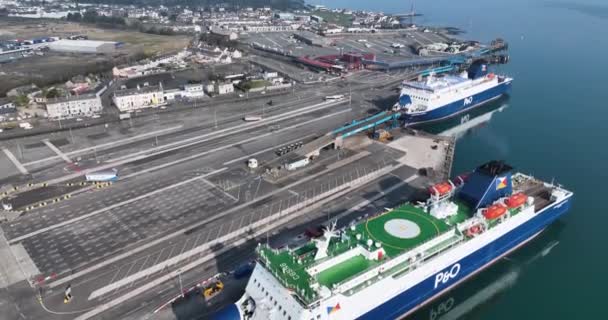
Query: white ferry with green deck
pixel 391 264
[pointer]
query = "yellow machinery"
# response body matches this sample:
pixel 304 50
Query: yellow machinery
pixel 213 289
pixel 382 135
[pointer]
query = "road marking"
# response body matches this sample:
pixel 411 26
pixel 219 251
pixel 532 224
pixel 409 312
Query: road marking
pixel 107 144
pixel 119 257
pixel 225 146
pixel 380 195
pixel 14 160
pixel 220 190
pixel 116 205
pixel 57 151
pixel 189 266
pixel 198 139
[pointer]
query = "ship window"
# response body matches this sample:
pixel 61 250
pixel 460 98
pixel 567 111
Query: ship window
pixel 284 313
pixel 267 293
pixel 289 318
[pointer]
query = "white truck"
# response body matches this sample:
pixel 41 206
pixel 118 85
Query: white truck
pixel 252 118
pixel 102 176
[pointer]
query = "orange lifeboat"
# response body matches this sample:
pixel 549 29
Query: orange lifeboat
pixel 516 200
pixel 494 211
pixel 441 189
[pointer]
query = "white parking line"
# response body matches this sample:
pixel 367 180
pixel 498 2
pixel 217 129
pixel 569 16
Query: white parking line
pixel 108 144
pixel 14 160
pixel 196 140
pixel 108 208
pixel 220 190
pixel 57 151
pixel 380 195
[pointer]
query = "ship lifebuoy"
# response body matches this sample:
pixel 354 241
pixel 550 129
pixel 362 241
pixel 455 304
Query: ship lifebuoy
pixel 473 230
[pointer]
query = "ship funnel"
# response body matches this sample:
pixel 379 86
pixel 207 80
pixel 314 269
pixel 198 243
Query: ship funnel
pixel 486 184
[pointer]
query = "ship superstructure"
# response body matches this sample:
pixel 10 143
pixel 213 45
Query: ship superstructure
pixel 439 97
pixel 389 265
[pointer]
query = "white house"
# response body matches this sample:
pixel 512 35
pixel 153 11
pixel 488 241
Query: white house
pixel 224 88
pixel 237 54
pixel 194 91
pixel 138 98
pixel 73 106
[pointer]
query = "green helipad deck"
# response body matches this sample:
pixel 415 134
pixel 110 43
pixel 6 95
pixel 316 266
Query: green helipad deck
pixel 402 229
pixel 392 233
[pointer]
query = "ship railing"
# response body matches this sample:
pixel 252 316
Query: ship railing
pixel 386 267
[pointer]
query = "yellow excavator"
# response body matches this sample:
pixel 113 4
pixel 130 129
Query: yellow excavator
pixel 212 289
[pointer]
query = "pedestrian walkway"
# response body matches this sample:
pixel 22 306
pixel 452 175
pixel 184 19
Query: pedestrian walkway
pixel 14 266
pixel 14 160
pixel 57 151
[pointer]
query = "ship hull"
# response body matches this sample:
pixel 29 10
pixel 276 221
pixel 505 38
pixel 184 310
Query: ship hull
pixel 459 106
pixel 409 301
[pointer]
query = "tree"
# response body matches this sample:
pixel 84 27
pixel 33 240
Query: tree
pixel 53 93
pixel 22 100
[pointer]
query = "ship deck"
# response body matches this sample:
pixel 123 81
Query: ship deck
pixel 396 231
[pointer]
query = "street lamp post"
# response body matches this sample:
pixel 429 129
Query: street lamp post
pixel 181 287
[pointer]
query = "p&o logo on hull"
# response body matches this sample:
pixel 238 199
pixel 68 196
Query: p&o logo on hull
pixel 468 101
pixel 445 276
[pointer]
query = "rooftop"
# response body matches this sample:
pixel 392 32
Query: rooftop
pixel 72 98
pixel 137 90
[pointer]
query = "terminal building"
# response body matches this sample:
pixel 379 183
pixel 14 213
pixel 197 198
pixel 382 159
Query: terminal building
pixel 73 106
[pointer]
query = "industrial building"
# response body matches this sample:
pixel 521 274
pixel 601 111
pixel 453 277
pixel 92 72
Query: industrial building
pixel 127 100
pixel 83 46
pixel 73 106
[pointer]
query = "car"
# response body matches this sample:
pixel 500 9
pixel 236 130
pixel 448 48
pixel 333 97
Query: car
pixel 314 232
pixel 95 116
pixel 163 107
pixel 79 119
pixel 263 92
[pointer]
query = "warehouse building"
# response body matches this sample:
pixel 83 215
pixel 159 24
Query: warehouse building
pixel 74 106
pixel 83 46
